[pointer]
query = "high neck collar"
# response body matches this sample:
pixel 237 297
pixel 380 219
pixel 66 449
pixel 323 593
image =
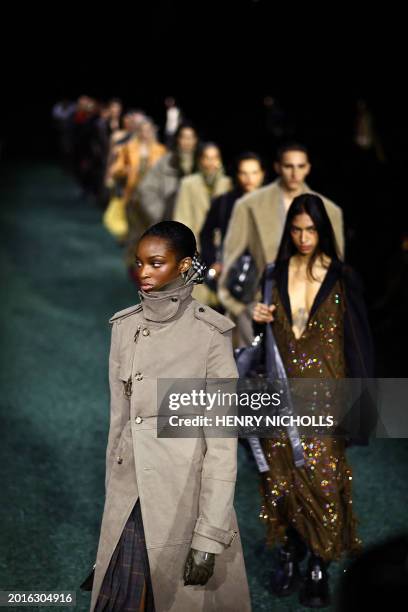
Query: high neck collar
pixel 164 304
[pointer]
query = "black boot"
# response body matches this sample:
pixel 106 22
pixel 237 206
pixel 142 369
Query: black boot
pixel 296 541
pixel 286 578
pixel 315 588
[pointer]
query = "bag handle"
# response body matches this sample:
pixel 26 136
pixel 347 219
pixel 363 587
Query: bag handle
pixel 269 282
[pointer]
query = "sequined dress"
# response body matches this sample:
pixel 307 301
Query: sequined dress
pixel 315 499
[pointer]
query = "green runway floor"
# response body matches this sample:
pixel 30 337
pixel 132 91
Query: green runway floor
pixel 62 278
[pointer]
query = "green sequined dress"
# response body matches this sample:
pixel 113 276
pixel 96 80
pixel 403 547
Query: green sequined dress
pixel 315 499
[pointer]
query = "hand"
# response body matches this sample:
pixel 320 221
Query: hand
pixel 199 567
pixel 262 313
pixel 217 266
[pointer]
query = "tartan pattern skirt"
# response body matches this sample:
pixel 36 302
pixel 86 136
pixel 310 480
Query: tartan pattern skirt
pixel 127 586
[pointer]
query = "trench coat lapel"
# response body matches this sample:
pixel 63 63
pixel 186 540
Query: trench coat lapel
pixel 268 215
pixel 268 212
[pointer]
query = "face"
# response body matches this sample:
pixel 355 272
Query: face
pixel 146 132
pixel 156 263
pixel 210 160
pixel 293 169
pixel 115 110
pixel 187 140
pixel 250 175
pixel 127 123
pixel 104 113
pixel 83 102
pixel 138 118
pixel 131 122
pixel 304 234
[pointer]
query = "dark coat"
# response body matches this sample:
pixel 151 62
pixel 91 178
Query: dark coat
pixel 217 218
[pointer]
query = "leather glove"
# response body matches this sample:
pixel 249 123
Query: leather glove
pixel 199 567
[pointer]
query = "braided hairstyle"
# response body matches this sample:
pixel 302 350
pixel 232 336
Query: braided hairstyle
pixel 182 241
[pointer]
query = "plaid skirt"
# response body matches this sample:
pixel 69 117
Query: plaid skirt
pixel 127 586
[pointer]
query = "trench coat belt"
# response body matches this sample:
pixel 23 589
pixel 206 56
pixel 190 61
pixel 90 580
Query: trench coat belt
pixel 223 536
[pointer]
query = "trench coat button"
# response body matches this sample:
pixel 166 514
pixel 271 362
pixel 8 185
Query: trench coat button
pixel 201 309
pixel 146 331
pixel 138 419
pixel 174 299
pixel 119 460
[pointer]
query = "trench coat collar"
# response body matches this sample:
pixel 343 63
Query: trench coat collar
pixel 165 304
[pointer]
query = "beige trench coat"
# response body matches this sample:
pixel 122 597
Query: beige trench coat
pixel 193 201
pixel 256 224
pixel 186 485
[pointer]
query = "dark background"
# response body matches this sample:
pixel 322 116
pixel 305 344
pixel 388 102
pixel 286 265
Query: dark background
pixel 64 275
pixel 220 59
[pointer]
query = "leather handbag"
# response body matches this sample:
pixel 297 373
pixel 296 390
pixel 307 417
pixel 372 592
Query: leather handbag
pixel 250 360
pixel 242 278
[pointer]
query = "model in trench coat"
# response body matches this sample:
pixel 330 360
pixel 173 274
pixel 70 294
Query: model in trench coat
pixel 185 485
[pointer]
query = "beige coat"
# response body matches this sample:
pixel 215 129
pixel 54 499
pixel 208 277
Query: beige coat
pixel 158 190
pixel 193 201
pixel 186 485
pixel 256 224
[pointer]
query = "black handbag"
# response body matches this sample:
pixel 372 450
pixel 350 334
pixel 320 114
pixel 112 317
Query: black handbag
pixel 242 278
pixel 251 360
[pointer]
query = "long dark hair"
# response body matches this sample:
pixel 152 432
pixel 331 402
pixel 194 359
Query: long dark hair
pixel 313 206
pixel 247 155
pixel 175 158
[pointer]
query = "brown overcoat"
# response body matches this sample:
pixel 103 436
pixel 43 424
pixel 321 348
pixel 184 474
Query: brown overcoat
pixel 185 485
